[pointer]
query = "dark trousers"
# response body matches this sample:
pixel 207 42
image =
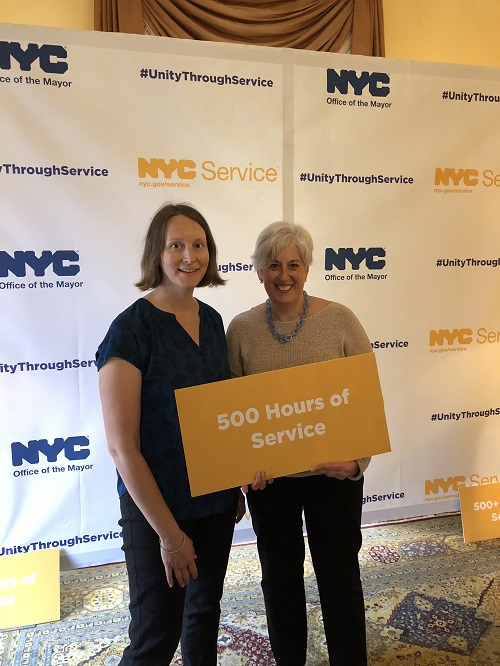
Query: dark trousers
pixel 332 511
pixel 161 615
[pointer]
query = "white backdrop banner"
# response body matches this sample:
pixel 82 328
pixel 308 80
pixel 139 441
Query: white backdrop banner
pixel 392 166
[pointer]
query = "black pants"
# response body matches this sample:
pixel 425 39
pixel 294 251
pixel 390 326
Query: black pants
pixel 160 615
pixel 332 511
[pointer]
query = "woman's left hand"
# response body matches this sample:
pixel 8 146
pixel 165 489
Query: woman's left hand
pixel 338 470
pixel 179 563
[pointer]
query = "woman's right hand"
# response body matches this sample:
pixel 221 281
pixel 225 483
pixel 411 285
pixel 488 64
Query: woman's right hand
pixel 180 563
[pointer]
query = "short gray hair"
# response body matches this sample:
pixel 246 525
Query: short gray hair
pixel 278 236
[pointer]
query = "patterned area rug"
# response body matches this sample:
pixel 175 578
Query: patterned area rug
pixel 431 600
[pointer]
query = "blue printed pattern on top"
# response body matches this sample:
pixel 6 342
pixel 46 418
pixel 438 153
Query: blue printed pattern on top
pixel 168 358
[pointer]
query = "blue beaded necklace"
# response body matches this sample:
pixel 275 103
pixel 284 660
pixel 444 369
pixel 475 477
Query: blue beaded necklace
pixel 281 337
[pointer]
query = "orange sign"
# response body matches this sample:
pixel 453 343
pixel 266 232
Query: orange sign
pixel 29 588
pixel 480 507
pixel 282 422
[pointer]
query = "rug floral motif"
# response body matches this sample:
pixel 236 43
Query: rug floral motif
pixel 431 600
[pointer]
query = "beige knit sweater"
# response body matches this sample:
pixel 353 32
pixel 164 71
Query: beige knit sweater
pixel 333 332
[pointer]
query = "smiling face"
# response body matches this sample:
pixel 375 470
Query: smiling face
pixel 184 260
pixel 284 279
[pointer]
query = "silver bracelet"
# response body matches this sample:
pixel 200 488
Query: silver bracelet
pixel 171 552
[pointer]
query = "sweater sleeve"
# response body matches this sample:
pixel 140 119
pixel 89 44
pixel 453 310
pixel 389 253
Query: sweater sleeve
pixel 362 464
pixel 233 337
pixel 357 341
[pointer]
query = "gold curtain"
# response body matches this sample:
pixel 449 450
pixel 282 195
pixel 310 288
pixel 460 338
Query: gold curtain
pixel 316 25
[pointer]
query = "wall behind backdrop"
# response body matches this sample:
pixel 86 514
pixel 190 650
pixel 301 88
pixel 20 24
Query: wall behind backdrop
pixel 452 31
pixel 392 165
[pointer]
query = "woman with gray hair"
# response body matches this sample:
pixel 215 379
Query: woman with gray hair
pixel 289 329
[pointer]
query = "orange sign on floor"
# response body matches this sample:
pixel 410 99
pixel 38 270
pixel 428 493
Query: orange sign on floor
pixel 29 588
pixel 480 507
pixel 282 422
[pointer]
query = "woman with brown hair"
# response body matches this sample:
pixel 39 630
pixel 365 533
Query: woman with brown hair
pixel 176 547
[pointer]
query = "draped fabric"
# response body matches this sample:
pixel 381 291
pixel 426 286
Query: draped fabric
pixel 119 16
pixel 317 25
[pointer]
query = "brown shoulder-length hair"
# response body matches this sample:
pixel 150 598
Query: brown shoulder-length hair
pixel 154 244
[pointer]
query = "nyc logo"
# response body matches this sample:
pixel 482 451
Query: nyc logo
pixel 376 82
pixel 450 484
pixel 72 448
pixel 467 177
pixel 184 169
pixel 50 57
pixel 63 262
pixel 445 336
pixel 371 257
